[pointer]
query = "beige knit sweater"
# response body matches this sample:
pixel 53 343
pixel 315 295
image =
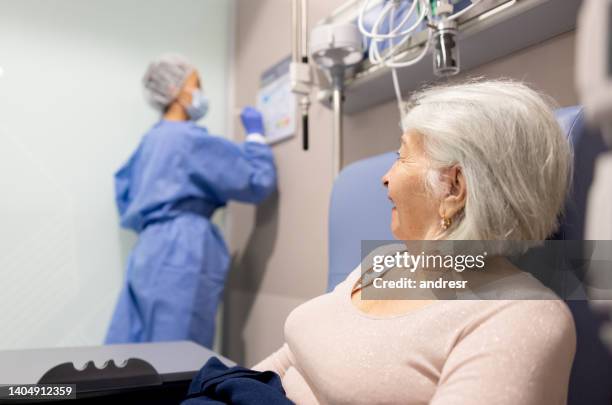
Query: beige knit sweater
pixel 447 353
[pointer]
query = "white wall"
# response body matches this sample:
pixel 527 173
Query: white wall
pixel 71 111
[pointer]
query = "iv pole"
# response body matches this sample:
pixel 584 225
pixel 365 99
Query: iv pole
pixel 335 48
pixel 299 69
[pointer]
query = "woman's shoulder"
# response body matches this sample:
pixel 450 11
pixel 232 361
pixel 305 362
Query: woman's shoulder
pixel 519 286
pixel 548 312
pixel 187 136
pixel 350 279
pixel 546 324
pixel 177 129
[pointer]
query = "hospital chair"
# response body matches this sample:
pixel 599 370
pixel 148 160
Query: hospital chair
pixel 360 210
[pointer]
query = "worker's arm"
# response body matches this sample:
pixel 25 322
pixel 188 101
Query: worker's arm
pixel 244 172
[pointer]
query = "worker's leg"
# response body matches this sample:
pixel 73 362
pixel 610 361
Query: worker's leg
pixel 126 323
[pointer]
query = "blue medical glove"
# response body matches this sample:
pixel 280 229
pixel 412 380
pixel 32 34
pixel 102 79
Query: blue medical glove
pixel 252 121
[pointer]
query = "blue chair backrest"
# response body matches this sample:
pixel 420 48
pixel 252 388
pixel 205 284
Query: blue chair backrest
pixel 360 210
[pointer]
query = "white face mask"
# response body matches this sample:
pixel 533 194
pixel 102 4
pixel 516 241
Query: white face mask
pixel 199 105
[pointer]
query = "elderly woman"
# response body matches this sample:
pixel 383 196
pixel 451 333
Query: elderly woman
pixel 481 160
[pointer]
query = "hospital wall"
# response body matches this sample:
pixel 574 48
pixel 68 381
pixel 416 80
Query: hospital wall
pixel 280 256
pixel 71 111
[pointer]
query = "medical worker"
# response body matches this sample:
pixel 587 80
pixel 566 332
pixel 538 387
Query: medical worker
pixel 167 192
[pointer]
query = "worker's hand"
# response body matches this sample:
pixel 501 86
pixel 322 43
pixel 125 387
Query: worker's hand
pixel 252 121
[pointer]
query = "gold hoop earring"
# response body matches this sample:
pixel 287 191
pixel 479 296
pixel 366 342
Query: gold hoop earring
pixel 445 223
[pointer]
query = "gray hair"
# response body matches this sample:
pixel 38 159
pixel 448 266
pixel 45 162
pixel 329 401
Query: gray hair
pixel 515 157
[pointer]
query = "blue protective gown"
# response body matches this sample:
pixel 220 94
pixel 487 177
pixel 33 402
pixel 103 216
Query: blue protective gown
pixel 167 192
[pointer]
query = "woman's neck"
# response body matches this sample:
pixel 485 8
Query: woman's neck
pixel 175 112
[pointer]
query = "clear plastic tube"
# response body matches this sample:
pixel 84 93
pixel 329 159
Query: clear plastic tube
pixel 374 51
pixel 393 33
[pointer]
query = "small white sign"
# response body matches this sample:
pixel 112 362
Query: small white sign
pixel 277 103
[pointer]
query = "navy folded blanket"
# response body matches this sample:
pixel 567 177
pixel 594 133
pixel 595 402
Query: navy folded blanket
pixel 217 384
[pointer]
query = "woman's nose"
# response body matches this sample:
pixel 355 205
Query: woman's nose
pixel 385 179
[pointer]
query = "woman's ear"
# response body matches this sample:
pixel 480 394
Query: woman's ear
pixel 184 97
pixel 192 82
pixel 453 201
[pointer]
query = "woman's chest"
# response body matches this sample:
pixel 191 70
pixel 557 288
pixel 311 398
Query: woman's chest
pixel 349 358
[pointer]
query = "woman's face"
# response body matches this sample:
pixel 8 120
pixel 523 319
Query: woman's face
pixel 192 82
pixel 415 213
